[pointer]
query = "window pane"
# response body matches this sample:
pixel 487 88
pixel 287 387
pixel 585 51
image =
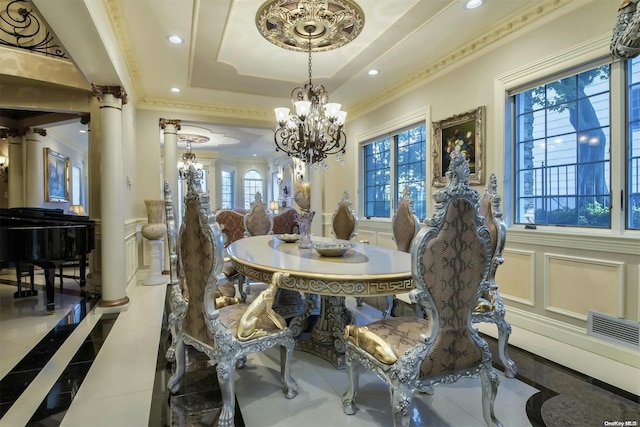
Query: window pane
pixel 377 171
pixel 562 151
pixel 227 189
pixel 633 151
pixel 252 184
pixel 411 167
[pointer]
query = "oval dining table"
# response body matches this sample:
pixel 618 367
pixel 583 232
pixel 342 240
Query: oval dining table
pixel 364 270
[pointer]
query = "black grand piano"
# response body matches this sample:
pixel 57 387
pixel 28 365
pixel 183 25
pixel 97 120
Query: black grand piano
pixel 46 238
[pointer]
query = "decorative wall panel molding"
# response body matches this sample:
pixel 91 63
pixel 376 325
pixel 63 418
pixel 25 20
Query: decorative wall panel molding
pixel 574 285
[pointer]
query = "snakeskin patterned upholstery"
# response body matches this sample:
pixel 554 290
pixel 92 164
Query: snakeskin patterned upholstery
pixel 490 308
pixel 451 257
pixel 197 321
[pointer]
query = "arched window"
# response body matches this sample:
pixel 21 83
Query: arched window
pixel 251 183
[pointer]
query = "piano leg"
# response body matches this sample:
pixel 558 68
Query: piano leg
pixel 49 277
pixel 20 268
pixel 83 270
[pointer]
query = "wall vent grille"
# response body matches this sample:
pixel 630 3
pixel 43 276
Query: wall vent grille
pixel 614 329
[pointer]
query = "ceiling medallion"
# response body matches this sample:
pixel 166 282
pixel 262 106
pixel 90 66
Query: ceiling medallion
pixel 287 23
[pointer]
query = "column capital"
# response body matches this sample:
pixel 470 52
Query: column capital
pixel 39 131
pixel 165 122
pixel 20 132
pixel 116 91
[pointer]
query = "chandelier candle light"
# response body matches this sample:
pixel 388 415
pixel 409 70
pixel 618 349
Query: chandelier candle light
pixel 316 130
pixel 189 157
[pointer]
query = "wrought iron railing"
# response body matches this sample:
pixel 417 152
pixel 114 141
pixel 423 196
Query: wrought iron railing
pixel 21 27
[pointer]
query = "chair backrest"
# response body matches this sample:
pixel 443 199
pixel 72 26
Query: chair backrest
pixel 232 225
pixel 258 222
pixel 405 224
pixel 490 209
pixel 344 221
pixel 201 256
pixel 172 238
pixel 451 255
pixel 285 222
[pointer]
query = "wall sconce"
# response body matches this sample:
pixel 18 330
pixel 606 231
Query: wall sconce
pixel 4 168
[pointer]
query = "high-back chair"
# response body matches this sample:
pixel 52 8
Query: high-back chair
pixel 225 334
pixel 231 224
pixel 405 225
pixel 257 222
pixel 411 353
pixel 344 224
pixel 288 303
pixel 490 307
pixel 344 221
pixel 284 222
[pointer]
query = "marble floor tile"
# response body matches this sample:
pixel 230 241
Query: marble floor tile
pixel 111 371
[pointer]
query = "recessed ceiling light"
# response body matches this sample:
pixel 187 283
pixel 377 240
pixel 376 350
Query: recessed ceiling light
pixel 255 155
pixel 472 4
pixel 373 72
pixel 82 131
pixel 175 39
pixel 175 89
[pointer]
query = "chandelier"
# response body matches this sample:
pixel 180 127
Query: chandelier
pixel 316 129
pixel 189 157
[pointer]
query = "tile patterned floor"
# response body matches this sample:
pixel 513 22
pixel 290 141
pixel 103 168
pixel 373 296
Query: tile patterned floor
pixel 109 370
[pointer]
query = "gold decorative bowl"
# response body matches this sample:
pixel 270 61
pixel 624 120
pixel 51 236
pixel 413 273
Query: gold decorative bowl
pixel 334 249
pixel 288 238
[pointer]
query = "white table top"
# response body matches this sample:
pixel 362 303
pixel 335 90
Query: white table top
pixel 363 270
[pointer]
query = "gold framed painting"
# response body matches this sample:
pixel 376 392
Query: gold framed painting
pixel 56 176
pixel 462 133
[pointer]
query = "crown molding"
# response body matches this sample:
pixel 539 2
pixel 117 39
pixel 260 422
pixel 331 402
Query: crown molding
pixel 115 11
pixel 513 25
pixel 236 112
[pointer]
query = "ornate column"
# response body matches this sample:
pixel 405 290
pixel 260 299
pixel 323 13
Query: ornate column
pixel 114 281
pixel 16 180
pixel 35 165
pixel 171 128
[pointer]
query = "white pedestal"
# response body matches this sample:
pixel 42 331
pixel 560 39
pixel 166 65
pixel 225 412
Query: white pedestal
pixel 156 277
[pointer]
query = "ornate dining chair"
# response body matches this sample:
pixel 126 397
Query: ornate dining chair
pixel 451 258
pixel 225 334
pixel 284 222
pixel 405 225
pixel 344 221
pixel 257 222
pixel 344 224
pixel 232 225
pixel 490 307
pixel 288 303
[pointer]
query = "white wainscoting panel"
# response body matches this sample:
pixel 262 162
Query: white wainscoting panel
pixel 574 285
